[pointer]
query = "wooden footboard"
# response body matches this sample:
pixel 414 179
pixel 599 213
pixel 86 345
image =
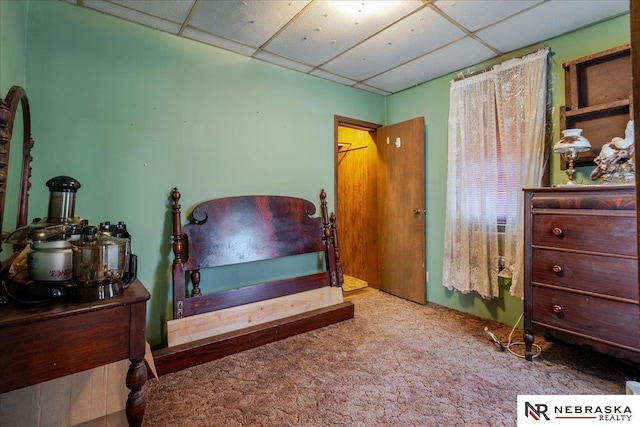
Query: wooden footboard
pixel 176 358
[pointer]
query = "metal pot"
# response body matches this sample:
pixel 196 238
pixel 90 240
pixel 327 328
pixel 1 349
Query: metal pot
pixel 98 259
pixel 50 261
pixel 120 230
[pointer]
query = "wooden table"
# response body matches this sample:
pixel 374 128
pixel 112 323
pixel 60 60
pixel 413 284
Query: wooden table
pixel 49 340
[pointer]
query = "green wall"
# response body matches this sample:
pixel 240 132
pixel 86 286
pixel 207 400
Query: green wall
pixel 13 36
pixel 431 100
pixel 132 112
pixel 13 30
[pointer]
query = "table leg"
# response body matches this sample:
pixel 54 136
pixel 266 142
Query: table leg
pixel 137 401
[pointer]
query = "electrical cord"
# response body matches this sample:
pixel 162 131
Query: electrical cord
pixel 5 288
pixel 510 343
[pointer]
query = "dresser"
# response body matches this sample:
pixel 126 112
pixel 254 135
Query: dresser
pixel 581 268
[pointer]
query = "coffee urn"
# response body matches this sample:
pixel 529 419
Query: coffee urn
pixel 49 258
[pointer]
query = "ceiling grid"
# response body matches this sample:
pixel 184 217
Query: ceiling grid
pixel 380 46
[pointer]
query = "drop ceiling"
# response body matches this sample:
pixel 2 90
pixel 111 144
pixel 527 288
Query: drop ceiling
pixel 378 46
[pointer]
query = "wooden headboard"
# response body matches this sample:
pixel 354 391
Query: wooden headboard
pixel 241 229
pixel 236 230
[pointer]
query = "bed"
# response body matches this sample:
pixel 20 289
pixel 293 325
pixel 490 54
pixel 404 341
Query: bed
pixel 238 230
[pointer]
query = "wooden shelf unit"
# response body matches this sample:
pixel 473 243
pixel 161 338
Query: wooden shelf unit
pixel 599 100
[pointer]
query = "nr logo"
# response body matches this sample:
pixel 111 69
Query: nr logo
pixel 536 411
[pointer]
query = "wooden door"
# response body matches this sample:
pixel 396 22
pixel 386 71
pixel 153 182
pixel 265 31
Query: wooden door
pixel 401 210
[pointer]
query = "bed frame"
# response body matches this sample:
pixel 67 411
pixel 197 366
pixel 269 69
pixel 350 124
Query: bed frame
pixel 236 230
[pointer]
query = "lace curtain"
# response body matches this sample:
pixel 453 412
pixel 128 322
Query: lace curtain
pixel 496 120
pixel 522 108
pixel 471 226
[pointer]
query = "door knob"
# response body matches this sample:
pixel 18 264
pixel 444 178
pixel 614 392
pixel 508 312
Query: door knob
pixel 419 211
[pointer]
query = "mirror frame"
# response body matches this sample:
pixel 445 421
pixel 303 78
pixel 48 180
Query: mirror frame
pixel 8 109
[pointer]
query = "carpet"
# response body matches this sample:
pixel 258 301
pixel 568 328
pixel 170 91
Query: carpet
pixel 396 363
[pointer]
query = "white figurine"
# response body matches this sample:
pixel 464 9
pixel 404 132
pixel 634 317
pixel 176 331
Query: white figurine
pixel 616 155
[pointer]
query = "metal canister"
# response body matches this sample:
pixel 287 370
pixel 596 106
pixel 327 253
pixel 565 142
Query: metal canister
pixel 50 261
pixel 97 259
pixel 120 230
pixel 62 199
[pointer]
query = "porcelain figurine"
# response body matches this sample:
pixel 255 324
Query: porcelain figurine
pixel 615 163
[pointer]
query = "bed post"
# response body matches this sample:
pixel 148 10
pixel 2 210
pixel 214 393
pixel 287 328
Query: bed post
pixel 329 251
pixel 178 271
pixel 334 234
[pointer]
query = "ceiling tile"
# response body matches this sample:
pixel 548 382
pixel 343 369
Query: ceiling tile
pixel 458 55
pixel 172 10
pixel 414 36
pixel 333 77
pixel 203 37
pixel 535 24
pixel 477 14
pixel 133 15
pixel 372 89
pixel 247 22
pixel 283 62
pixel 326 29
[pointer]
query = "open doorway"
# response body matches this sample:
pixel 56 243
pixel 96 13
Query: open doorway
pixel 356 160
pixel 380 205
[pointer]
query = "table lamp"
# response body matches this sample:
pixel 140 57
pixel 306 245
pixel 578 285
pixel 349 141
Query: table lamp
pixel 569 147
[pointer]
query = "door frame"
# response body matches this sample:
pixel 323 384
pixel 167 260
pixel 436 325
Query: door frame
pixel 348 122
pixel 372 238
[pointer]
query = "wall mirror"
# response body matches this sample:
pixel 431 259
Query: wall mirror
pixel 15 164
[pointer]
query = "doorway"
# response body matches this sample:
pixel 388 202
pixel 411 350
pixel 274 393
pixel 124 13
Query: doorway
pixel 356 161
pixel 380 205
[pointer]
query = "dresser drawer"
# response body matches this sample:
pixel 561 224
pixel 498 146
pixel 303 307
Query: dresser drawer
pixel 587 198
pixel 605 275
pixel 607 234
pixel 598 318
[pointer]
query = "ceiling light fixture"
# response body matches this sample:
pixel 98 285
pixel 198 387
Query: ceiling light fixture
pixel 363 8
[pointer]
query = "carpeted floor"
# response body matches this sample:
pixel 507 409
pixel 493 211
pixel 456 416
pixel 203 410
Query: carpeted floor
pixel 395 364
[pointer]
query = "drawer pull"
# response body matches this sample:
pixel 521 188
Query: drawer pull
pixel 557 231
pixel 557 268
pixel 557 309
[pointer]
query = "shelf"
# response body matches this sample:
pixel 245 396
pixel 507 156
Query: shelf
pixel 598 79
pixel 599 100
pixel 601 109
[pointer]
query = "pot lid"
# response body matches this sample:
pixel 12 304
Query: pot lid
pixel 63 183
pixel 91 238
